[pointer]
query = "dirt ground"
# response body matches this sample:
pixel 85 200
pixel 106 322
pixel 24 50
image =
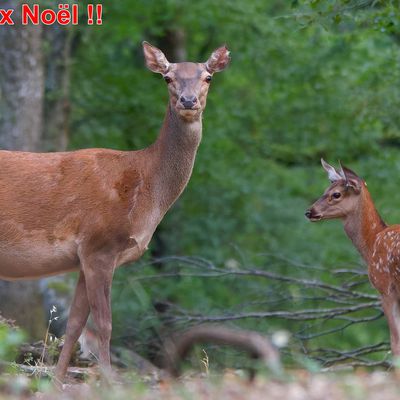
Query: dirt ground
pixel 297 385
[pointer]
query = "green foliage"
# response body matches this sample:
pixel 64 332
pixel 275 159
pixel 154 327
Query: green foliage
pixel 308 79
pixel 10 339
pixel 381 15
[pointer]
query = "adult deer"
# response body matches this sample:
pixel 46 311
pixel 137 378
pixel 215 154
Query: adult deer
pixel 96 209
pixel 348 199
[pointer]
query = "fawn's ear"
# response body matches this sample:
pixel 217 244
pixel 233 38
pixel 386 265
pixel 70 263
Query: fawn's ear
pixel 218 60
pixel 352 179
pixel 155 59
pixel 333 175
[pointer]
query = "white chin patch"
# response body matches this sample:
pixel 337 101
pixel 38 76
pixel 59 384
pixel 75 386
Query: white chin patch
pixel 188 113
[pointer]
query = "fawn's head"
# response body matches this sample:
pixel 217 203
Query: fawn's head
pixel 342 196
pixel 188 82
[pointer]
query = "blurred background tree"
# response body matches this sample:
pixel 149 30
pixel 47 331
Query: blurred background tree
pixel 34 116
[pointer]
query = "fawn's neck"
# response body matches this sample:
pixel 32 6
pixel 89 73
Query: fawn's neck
pixel 363 225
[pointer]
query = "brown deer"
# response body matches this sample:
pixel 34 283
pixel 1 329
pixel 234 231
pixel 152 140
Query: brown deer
pixel 96 209
pixel 348 199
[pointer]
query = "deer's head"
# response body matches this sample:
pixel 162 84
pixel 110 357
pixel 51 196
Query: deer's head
pixel 187 82
pixel 341 198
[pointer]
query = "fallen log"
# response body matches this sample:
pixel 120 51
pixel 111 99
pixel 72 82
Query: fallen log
pixel 258 346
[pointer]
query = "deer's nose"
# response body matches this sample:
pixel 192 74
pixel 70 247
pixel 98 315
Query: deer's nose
pixel 188 101
pixel 308 214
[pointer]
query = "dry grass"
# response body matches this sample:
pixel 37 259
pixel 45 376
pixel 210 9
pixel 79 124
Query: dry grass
pixel 8 322
pixel 299 385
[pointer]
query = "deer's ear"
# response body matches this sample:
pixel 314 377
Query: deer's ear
pixel 155 59
pixel 352 179
pixel 218 60
pixel 333 175
pixel 349 173
pixel 354 184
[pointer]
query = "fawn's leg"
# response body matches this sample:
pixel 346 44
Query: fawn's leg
pixel 391 308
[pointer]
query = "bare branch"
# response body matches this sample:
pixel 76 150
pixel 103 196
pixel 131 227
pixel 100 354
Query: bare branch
pixel 256 345
pixel 312 308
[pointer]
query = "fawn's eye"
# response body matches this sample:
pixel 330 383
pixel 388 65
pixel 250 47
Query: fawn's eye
pixel 167 79
pixel 208 78
pixel 336 195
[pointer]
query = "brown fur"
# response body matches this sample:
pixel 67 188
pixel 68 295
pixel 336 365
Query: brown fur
pixel 94 210
pixel 378 243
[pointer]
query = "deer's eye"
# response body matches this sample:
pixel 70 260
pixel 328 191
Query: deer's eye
pixel 336 195
pixel 208 78
pixel 167 79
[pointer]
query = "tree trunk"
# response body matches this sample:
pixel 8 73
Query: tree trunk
pixel 21 84
pixel 57 65
pixel 173 44
pixel 21 125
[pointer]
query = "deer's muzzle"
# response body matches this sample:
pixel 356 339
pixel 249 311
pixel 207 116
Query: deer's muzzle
pixel 312 215
pixel 188 102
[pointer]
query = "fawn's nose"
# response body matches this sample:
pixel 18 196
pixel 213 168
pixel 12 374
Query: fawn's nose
pixel 308 214
pixel 188 101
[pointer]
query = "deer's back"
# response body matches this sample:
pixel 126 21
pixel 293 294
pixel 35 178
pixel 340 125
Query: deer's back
pixel 384 267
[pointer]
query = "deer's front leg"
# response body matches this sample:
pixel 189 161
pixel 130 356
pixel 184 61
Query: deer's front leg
pixel 98 272
pixel 76 321
pixel 391 308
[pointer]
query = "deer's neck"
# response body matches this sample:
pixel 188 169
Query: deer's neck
pixel 363 225
pixel 173 154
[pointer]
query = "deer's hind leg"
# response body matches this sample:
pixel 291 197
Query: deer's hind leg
pixel 78 316
pixel 391 308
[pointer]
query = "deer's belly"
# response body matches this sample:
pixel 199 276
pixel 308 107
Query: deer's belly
pixel 35 259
